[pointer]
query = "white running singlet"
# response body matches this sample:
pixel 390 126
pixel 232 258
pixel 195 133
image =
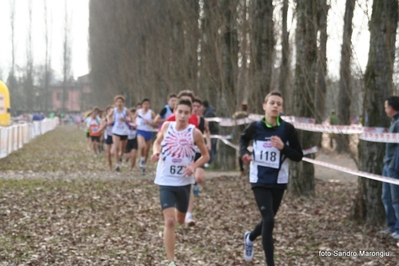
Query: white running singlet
pixel 108 131
pixel 177 152
pixel 120 128
pixel 140 120
pixel 132 132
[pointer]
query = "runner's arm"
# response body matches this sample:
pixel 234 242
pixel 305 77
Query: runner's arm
pixel 246 138
pixel 153 116
pixel 156 147
pixel 199 141
pixel 207 135
pixel 111 117
pixel 294 150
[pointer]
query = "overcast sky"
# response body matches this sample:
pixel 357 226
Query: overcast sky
pixel 78 10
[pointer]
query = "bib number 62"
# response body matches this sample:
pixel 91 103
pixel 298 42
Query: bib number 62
pixel 178 170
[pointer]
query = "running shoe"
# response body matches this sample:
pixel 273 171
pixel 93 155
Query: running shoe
pixel 143 171
pixel 141 164
pixel 387 231
pixel 248 247
pixel 172 263
pixel 395 235
pixel 117 168
pixel 189 221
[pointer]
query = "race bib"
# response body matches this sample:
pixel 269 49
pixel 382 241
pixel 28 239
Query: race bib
pixel 266 155
pixel 174 167
pixel 121 126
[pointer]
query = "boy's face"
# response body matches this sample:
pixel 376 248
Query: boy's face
pixel 274 106
pixel 119 102
pixel 172 102
pixel 183 113
pixel 388 109
pixel 146 105
pixel 196 108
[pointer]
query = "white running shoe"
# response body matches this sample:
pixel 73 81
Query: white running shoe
pixel 395 235
pixel 189 221
pixel 141 164
pixel 388 231
pixel 248 247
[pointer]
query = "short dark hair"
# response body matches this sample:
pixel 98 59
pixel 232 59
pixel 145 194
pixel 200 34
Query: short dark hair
pixel 184 102
pixel 145 100
pixel 205 103
pixel 172 96
pixel 187 93
pixel 273 93
pixel 119 97
pixel 197 100
pixel 393 101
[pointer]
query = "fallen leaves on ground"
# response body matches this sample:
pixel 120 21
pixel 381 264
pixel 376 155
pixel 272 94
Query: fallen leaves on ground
pixel 78 216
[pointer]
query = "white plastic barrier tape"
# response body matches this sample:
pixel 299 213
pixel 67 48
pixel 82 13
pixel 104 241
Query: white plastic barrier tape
pixel 374 134
pixel 353 172
pixel 15 136
pixel 352 129
pixel 229 122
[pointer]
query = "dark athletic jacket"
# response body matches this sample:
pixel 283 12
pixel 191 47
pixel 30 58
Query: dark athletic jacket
pixel 277 174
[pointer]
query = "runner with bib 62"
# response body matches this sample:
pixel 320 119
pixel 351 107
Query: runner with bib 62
pixel 174 150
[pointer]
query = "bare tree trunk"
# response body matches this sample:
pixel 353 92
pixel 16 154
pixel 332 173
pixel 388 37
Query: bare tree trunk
pixel 244 52
pixel 321 89
pixel 66 56
pixel 262 50
pixel 378 86
pixel 345 91
pixel 11 80
pixel 226 155
pixel 47 60
pixel 285 54
pixel 302 174
pixel 28 84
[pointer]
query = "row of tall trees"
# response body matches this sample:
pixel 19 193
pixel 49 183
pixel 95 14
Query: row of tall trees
pixel 229 51
pixel 29 84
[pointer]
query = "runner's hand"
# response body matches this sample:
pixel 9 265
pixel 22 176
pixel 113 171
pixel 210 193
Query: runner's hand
pixel 155 157
pixel 277 142
pixel 188 170
pixel 246 158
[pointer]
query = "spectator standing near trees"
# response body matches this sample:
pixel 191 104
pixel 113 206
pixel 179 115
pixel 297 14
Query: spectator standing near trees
pixel 333 122
pixel 390 192
pixel 242 113
pixel 210 111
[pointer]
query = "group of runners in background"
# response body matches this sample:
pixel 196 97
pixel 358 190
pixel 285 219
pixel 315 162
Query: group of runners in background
pixel 121 132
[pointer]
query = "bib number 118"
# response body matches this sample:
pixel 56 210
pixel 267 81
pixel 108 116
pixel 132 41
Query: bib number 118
pixel 264 155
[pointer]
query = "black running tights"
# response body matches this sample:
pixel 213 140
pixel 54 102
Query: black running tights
pixel 268 201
